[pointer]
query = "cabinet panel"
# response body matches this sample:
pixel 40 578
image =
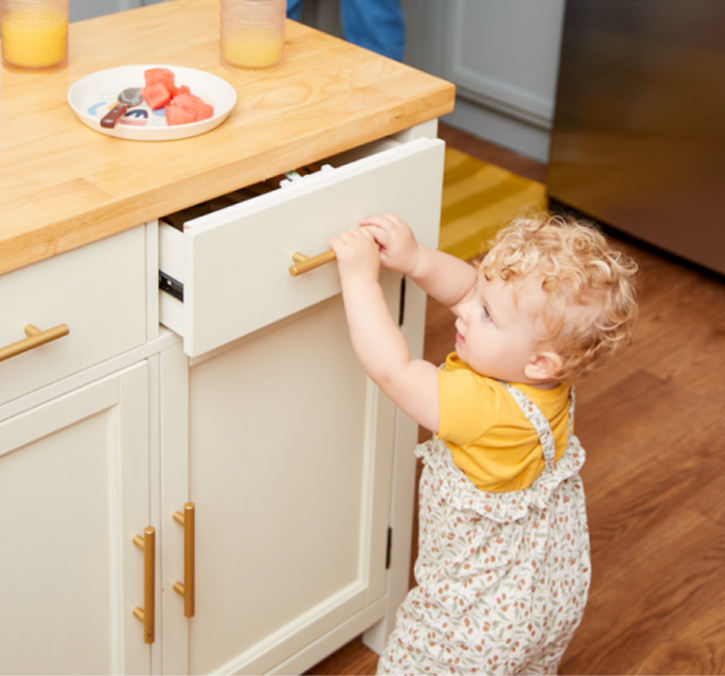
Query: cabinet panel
pixel 290 469
pixel 73 493
pixel 235 262
pixel 98 291
pixel 504 55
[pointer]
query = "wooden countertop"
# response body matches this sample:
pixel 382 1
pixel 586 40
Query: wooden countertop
pixel 63 185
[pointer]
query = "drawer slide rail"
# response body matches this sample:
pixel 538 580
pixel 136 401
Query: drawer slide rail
pixel 171 286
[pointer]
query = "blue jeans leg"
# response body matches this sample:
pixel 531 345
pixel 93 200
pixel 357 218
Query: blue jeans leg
pixel 377 25
pixel 294 8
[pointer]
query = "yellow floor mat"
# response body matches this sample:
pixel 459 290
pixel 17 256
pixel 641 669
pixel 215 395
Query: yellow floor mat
pixel 478 199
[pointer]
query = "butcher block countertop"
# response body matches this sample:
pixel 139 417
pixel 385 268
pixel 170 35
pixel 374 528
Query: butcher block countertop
pixel 63 185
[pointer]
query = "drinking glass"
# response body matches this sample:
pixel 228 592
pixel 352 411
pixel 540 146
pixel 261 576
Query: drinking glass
pixel 34 34
pixel 252 33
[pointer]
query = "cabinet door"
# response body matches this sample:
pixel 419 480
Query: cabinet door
pixel 291 455
pixel 74 491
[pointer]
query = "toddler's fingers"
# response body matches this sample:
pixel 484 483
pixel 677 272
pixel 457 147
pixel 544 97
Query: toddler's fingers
pixel 349 240
pixel 370 220
pixel 380 235
pixel 339 242
pixel 385 221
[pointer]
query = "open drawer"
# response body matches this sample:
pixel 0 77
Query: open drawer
pixel 226 273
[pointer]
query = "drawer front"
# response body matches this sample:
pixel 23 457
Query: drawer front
pixel 234 263
pixel 98 291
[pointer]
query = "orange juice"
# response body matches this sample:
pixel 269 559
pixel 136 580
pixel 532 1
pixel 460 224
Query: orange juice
pixel 252 53
pixel 34 40
pixel 252 33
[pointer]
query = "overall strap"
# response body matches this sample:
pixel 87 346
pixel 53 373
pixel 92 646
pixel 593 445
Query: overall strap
pixel 539 421
pixel 571 411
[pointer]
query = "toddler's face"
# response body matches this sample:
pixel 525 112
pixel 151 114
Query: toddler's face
pixel 497 326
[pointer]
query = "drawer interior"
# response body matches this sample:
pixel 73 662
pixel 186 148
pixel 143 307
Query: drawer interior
pixel 180 218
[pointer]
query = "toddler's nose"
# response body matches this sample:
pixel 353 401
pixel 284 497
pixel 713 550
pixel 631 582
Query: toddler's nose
pixel 464 311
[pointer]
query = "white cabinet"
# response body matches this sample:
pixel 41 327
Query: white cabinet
pixel 75 458
pixel 502 55
pixel 260 415
pixel 74 491
pixel 291 450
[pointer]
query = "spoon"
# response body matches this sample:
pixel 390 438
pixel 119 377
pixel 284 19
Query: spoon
pixel 126 99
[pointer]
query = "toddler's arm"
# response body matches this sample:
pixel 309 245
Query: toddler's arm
pixel 412 384
pixel 442 276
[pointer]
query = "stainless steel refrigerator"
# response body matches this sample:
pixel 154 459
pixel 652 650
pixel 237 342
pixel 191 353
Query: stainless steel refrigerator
pixel 639 128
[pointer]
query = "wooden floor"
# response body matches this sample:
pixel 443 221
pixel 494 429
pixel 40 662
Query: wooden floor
pixel 653 424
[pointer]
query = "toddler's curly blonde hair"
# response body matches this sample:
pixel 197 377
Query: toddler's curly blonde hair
pixel 579 270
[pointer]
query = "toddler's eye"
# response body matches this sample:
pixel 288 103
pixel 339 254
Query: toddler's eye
pixel 484 313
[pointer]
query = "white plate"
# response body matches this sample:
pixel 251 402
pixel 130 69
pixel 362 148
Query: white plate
pixel 92 96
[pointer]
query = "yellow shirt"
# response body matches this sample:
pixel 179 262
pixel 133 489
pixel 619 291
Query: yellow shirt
pixel 488 434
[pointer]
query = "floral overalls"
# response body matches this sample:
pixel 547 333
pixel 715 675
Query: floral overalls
pixel 502 578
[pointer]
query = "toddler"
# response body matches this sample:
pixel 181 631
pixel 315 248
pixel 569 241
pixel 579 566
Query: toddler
pixel 503 566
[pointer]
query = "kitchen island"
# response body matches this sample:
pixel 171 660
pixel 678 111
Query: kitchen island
pixel 62 186
pixel 201 478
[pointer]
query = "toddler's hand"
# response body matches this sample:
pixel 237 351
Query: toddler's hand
pixel 399 250
pixel 358 257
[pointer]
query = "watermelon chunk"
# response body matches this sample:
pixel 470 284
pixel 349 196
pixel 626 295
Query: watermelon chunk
pixel 160 75
pixel 182 107
pixel 156 95
pixel 176 115
pixel 193 104
pixel 165 77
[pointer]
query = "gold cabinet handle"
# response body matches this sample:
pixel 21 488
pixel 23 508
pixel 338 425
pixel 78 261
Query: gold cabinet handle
pixel 186 589
pixel 35 338
pixel 147 544
pixel 305 264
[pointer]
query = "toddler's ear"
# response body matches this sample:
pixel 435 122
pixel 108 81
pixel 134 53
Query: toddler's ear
pixel 543 366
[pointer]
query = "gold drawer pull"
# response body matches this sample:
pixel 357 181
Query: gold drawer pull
pixel 35 338
pixel 147 544
pixel 186 589
pixel 305 264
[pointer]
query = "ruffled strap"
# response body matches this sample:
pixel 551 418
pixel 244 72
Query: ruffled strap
pixel 462 494
pixel 539 421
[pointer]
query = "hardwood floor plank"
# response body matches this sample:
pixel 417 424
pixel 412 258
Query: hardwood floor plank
pixel 622 442
pixel 709 500
pixel 353 658
pixel 654 589
pixel 697 649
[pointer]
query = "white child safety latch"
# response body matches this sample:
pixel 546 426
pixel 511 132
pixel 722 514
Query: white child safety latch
pixel 295 176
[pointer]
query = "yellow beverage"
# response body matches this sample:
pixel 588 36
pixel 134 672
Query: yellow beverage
pixel 257 52
pixel 252 33
pixel 35 39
